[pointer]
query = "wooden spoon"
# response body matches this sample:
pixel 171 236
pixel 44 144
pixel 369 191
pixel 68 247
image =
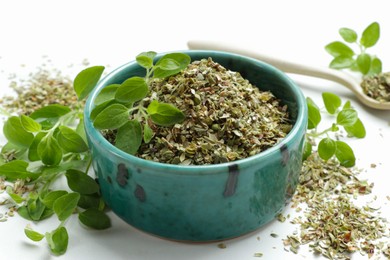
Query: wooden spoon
pixel 295 68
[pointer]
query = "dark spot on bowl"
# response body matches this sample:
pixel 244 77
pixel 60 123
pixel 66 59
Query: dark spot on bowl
pixel 231 183
pixel 139 170
pixel 109 180
pixel 140 193
pixel 122 175
pixel 285 154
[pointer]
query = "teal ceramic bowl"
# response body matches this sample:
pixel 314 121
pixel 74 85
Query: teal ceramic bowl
pixel 209 202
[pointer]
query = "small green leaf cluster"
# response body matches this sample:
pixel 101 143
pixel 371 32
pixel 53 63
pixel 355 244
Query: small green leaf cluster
pixel 345 57
pixel 45 145
pixel 345 117
pixel 122 107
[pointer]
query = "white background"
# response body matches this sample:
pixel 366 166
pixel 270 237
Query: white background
pixel 114 32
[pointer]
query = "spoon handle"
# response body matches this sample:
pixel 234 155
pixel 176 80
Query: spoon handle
pixel 283 65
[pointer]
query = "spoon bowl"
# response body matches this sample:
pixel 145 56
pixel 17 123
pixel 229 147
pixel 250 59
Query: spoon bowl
pixel 296 68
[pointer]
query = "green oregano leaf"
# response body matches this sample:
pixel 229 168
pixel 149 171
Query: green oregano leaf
pixel 356 130
pixel 148 133
pixel 33 235
pixel 326 148
pixel 86 80
pixel 348 35
pixel 347 117
pixel 132 90
pixel 70 141
pixel 347 105
pixel 370 35
pixel 16 198
pixel 107 93
pixel 58 240
pixel 87 201
pixel 48 123
pixel 80 130
pixel 342 62
pixel 29 124
pixel 49 151
pixel 35 208
pixel 165 71
pixel 129 137
pixel 338 48
pixel 23 212
pixel 15 133
pixel 52 196
pixel 33 149
pixel 50 111
pixel 345 154
pixel 376 66
pixel 99 108
pixel 47 213
pixel 145 59
pixel 81 182
pixel 17 169
pixel 307 149
pixel 332 102
pixel 112 117
pixel 164 114
pixel 314 115
pixel 364 63
pixel 65 205
pixel 168 64
pixel 95 219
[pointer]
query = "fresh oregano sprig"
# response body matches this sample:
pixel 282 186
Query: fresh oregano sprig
pixel 121 107
pixel 51 142
pixel 42 147
pixel 345 117
pixel 345 57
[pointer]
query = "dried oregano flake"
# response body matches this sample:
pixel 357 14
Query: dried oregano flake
pixel 227 118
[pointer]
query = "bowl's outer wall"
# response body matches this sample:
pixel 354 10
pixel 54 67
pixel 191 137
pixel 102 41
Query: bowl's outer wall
pixel 203 203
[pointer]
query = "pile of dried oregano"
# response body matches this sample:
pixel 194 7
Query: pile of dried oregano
pixel 43 87
pixel 227 118
pixel 377 86
pixel 332 224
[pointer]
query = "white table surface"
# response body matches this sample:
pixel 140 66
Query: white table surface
pixel 114 32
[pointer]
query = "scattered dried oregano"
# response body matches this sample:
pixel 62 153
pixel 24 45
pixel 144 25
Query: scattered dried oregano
pixel 332 224
pixel 227 118
pixel 377 86
pixel 42 87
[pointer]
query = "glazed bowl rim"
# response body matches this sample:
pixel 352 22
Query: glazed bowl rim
pixel 96 136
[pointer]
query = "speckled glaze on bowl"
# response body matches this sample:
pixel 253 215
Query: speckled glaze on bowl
pixel 209 202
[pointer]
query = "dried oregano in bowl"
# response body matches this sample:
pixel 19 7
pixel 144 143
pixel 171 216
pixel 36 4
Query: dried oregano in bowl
pixel 226 117
pixel 173 128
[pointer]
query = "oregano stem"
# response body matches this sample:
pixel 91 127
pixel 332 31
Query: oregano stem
pixel 88 166
pixel 315 134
